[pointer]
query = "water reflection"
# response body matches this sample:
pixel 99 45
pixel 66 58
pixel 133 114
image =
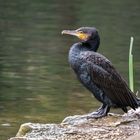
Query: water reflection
pixel 36 82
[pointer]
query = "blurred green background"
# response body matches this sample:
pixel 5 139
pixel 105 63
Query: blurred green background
pixel 36 81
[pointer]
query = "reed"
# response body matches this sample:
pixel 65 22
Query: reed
pixel 131 75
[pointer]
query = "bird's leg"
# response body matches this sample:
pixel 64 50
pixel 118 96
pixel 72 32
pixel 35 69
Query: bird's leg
pixel 101 112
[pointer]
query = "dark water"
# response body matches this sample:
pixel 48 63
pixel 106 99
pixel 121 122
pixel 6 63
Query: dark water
pixel 36 82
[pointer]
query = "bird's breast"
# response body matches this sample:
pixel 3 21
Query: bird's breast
pixel 74 56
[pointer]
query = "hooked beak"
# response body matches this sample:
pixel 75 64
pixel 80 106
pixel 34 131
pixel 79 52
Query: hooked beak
pixel 82 36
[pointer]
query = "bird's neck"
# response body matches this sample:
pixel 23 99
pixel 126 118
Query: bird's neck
pixel 92 44
pixel 77 48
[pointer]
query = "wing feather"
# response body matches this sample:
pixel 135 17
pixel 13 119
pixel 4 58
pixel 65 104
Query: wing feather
pixel 109 80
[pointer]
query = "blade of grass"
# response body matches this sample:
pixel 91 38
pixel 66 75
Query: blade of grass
pixel 131 78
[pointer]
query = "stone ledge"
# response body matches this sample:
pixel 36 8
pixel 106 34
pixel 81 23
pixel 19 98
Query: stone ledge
pixel 78 127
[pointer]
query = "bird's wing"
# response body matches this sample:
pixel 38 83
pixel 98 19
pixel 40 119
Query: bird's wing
pixel 109 80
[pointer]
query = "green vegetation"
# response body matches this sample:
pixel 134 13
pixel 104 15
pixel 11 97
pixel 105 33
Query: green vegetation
pixel 131 78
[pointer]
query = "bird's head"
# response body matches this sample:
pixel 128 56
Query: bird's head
pixel 83 33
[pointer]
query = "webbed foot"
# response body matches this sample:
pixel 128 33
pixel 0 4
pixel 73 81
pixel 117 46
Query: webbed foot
pixel 101 112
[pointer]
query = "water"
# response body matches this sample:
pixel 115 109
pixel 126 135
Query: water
pixel 36 82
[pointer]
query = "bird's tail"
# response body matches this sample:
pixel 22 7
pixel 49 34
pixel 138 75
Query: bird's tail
pixel 138 102
pixel 137 99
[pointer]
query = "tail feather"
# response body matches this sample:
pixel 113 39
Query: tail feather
pixel 138 102
pixel 137 99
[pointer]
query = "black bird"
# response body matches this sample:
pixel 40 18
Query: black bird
pixel 98 74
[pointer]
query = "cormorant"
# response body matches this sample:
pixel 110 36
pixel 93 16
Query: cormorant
pixel 98 74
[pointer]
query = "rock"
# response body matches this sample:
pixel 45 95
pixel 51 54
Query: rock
pixel 135 137
pixel 78 127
